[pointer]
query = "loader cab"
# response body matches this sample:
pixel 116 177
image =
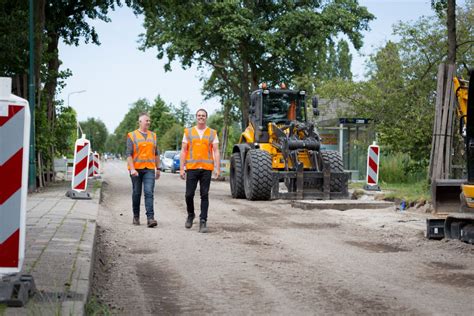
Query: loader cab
pixel 279 106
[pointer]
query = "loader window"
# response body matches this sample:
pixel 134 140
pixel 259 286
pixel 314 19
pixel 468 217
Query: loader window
pixel 281 108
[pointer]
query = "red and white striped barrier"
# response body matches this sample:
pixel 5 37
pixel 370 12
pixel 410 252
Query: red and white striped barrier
pixel 96 164
pixel 372 179
pixel 91 165
pixel 81 164
pixel 14 151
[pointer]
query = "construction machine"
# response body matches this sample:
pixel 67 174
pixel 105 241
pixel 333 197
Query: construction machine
pixel 282 146
pixel 456 196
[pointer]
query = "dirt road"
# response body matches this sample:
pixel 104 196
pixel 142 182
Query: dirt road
pixel 270 258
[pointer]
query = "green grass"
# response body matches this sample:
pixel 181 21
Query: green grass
pixel 2 309
pixel 96 308
pixel 97 185
pixel 410 192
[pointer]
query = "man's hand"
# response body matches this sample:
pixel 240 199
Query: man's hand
pixel 182 174
pixel 133 173
pixel 157 174
pixel 217 174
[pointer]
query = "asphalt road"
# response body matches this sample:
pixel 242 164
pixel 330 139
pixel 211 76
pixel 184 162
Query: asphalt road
pixel 270 258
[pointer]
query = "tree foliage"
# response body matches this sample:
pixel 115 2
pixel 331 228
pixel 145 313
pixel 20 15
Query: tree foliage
pixel 246 42
pixel 96 132
pixel 399 94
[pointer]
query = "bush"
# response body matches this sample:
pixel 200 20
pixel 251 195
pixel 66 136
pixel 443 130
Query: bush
pixel 400 168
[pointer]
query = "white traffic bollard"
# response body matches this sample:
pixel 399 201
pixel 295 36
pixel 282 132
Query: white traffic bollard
pixel 14 153
pixel 80 170
pixel 373 158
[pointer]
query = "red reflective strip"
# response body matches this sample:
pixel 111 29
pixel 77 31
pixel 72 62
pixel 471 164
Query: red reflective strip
pixel 10 173
pixel 10 250
pixel 12 110
pixel 81 186
pixel 370 180
pixel 376 150
pixel 80 166
pixel 373 165
pixel 79 147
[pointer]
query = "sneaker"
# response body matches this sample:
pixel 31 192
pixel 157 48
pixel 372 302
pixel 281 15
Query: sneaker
pixel 136 221
pixel 189 222
pixel 203 227
pixel 152 222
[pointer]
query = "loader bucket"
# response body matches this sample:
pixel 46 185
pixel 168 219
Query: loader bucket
pixel 445 194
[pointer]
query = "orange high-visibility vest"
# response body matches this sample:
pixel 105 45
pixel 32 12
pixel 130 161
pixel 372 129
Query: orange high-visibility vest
pixel 200 154
pixel 144 150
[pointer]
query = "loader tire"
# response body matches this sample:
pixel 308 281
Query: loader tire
pixel 237 177
pixel 335 162
pixel 258 177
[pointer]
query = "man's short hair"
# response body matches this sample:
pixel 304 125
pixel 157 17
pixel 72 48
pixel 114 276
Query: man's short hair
pixel 202 111
pixel 143 114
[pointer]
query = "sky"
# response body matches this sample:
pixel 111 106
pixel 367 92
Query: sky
pixel 115 74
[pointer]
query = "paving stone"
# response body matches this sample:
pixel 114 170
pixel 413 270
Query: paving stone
pixel 58 251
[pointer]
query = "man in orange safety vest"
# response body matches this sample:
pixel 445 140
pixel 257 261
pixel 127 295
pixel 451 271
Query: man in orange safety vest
pixel 143 162
pixel 199 154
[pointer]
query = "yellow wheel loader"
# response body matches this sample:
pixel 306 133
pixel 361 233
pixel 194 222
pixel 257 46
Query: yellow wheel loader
pixel 280 145
pixel 456 196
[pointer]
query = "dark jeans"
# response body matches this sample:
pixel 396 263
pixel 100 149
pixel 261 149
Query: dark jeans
pixel 192 179
pixel 146 181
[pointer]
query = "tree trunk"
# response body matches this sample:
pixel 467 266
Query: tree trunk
pixel 245 94
pixel 451 25
pixel 48 93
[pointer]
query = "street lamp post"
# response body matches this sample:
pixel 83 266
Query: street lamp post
pixel 68 104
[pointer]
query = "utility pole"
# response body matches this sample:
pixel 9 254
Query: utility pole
pixel 78 125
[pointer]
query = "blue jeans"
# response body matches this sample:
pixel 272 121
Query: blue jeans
pixel 146 181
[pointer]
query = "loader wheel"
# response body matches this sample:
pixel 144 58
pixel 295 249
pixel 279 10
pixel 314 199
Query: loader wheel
pixel 258 178
pixel 335 162
pixel 236 177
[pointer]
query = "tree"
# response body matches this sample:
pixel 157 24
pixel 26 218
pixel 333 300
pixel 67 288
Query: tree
pixel 172 139
pixel 246 42
pixel 65 132
pixel 399 95
pixel 161 117
pixel 96 132
pixel 182 113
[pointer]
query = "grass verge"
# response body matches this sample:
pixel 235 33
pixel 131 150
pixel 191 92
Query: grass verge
pixel 3 308
pixel 96 308
pixel 410 192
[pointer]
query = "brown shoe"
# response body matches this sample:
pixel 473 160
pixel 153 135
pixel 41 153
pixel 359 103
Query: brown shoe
pixel 152 222
pixel 136 221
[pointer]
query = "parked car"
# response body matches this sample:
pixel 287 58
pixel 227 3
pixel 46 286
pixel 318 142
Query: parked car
pixel 167 159
pixel 175 165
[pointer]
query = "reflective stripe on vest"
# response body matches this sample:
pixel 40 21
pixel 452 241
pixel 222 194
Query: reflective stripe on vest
pixel 144 150
pixel 200 154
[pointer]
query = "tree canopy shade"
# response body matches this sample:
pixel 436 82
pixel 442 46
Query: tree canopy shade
pixel 246 42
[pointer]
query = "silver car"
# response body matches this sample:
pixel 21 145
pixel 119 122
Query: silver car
pixel 167 159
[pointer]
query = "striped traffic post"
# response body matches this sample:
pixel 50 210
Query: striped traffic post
pixel 372 179
pixel 96 165
pixel 80 170
pixel 91 165
pixel 14 154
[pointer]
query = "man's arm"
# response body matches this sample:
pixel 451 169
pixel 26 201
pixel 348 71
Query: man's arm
pixel 182 159
pixel 129 154
pixel 217 158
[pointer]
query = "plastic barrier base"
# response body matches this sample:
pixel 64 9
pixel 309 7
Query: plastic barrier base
pixel 75 195
pixel 16 289
pixel 369 187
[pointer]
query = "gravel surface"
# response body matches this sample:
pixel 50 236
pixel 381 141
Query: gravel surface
pixel 271 258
